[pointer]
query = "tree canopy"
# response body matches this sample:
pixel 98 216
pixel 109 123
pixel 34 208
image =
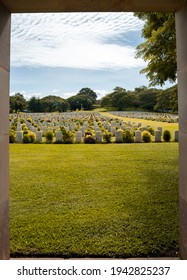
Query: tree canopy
pixel 88 92
pixel 159 48
pixel 83 100
pixel 17 102
pixel 142 98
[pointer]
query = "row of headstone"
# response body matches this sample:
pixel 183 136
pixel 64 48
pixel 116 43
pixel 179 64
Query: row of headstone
pixel 79 136
pixel 148 116
pixel 111 126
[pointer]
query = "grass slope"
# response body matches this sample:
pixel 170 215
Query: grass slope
pixel 113 200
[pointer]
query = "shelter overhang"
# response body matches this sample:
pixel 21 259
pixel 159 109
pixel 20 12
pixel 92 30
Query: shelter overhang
pixel 41 6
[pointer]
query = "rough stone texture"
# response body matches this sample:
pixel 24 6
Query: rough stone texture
pixel 4 132
pixel 181 28
pixel 91 5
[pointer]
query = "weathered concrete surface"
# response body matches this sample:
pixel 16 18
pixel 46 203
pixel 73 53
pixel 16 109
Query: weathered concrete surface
pixel 181 28
pixel 4 135
pixel 28 6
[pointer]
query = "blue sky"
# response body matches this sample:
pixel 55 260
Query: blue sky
pixel 58 54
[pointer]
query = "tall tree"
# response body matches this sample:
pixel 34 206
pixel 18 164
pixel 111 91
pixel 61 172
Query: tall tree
pixel 35 105
pixel 147 99
pixel 89 92
pixel 18 102
pixel 53 103
pixel 80 102
pixel 159 48
pixel 167 100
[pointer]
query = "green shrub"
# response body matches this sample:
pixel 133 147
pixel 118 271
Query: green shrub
pixel 29 137
pixel 49 136
pixel 23 125
pixel 26 139
pixel 13 127
pixel 25 131
pixel 29 120
pixel 89 139
pixel 128 136
pixel 107 137
pixel 146 136
pixel 12 136
pixel 167 135
pixel 32 136
pixel 67 137
pixel 89 131
pixel 150 130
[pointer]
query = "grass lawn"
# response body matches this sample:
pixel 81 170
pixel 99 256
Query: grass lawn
pixel 99 200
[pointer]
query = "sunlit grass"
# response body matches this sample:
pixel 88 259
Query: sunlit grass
pixel 102 200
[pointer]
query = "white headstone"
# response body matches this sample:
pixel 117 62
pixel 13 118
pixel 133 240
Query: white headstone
pixel 113 130
pixel 98 136
pixel 119 136
pixel 58 135
pixel 158 135
pixel 159 128
pixel 78 136
pixel 138 136
pixel 38 136
pixel 19 136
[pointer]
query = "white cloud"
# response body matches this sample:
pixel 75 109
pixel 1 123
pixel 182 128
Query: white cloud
pixel 77 40
pixel 101 93
pixel 27 95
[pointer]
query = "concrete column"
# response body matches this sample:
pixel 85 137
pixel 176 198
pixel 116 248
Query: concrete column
pixel 5 19
pixel 181 30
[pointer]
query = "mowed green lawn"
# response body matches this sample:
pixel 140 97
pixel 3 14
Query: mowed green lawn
pixel 94 200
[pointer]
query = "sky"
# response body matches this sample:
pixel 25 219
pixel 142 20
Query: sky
pixel 61 53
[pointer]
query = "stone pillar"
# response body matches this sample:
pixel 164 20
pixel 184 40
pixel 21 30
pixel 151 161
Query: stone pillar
pixel 181 34
pixel 5 20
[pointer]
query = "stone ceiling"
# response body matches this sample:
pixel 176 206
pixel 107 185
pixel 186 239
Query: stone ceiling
pixel 29 6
